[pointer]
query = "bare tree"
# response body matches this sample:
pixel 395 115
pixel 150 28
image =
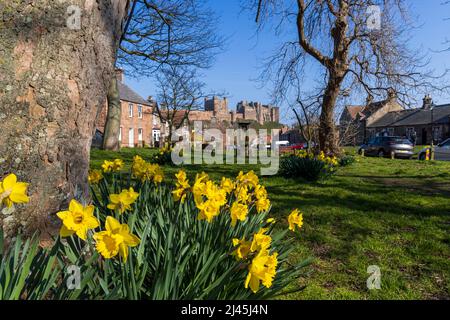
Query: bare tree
pixel 180 91
pixel 56 60
pixel 306 109
pixel 160 33
pixel 359 45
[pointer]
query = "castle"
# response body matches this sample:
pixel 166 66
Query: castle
pixel 216 109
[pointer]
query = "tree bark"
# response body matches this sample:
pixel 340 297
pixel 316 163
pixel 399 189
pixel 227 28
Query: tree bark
pixel 112 126
pixel 53 78
pixel 327 130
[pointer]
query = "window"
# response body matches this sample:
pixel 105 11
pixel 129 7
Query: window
pixel 130 110
pixel 140 134
pixel 436 133
pixel 120 134
pixel 445 144
pixel 140 112
pixel 390 131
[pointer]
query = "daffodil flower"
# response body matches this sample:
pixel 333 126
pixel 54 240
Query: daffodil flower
pixel 122 201
pixel 295 219
pixel 115 239
pixel 12 191
pixel 77 220
pixel 262 269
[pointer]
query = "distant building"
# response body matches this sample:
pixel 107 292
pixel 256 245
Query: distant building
pixel 141 125
pixel 388 117
pixel 216 109
pixel 356 119
pixel 424 124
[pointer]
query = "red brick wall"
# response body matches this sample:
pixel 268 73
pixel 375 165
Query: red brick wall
pixel 145 123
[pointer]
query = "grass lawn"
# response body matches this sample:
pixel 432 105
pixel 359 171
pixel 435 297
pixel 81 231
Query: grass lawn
pixel 391 213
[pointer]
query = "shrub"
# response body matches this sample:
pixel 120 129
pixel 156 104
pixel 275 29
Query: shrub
pixel 307 166
pixel 144 239
pixel 163 157
pixel 346 160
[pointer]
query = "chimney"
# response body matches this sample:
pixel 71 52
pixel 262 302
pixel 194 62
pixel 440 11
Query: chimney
pixel 119 75
pixel 392 95
pixel 427 102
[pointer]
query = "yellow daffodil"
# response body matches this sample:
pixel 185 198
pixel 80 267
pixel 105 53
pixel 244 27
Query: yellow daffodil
pixel 107 166
pixel 271 220
pixel 179 194
pixel 260 241
pixel 208 210
pixel 182 180
pixel 122 201
pixel 243 248
pixel 262 205
pixel 77 220
pixel 95 176
pixel 227 185
pixel 117 164
pixel 250 179
pixel 295 219
pixel 260 192
pixel 146 171
pixel 115 239
pixel 215 193
pixel 239 212
pixel 242 194
pixel 182 185
pixel 198 189
pixel 12 191
pixel 262 269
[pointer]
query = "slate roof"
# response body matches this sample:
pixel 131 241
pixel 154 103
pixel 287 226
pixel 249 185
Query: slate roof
pixel 127 94
pixel 413 117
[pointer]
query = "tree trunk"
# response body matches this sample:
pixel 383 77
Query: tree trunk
pixel 54 73
pixel 327 131
pixel 112 126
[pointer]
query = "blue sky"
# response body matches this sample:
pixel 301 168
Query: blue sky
pixel 236 68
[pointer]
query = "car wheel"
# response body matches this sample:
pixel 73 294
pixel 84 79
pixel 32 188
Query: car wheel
pixel 422 156
pixel 381 154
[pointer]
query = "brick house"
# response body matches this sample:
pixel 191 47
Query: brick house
pixel 137 124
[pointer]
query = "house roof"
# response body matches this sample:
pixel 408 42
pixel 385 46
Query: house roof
pixel 365 111
pixel 412 117
pixel 127 94
pixel 354 110
pixel 177 118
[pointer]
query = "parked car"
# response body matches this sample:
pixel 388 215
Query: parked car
pixel 298 146
pixel 441 151
pixel 387 146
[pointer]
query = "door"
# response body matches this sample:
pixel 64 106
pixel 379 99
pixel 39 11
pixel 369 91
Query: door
pixel 424 136
pixel 131 138
pixel 156 135
pixel 442 151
